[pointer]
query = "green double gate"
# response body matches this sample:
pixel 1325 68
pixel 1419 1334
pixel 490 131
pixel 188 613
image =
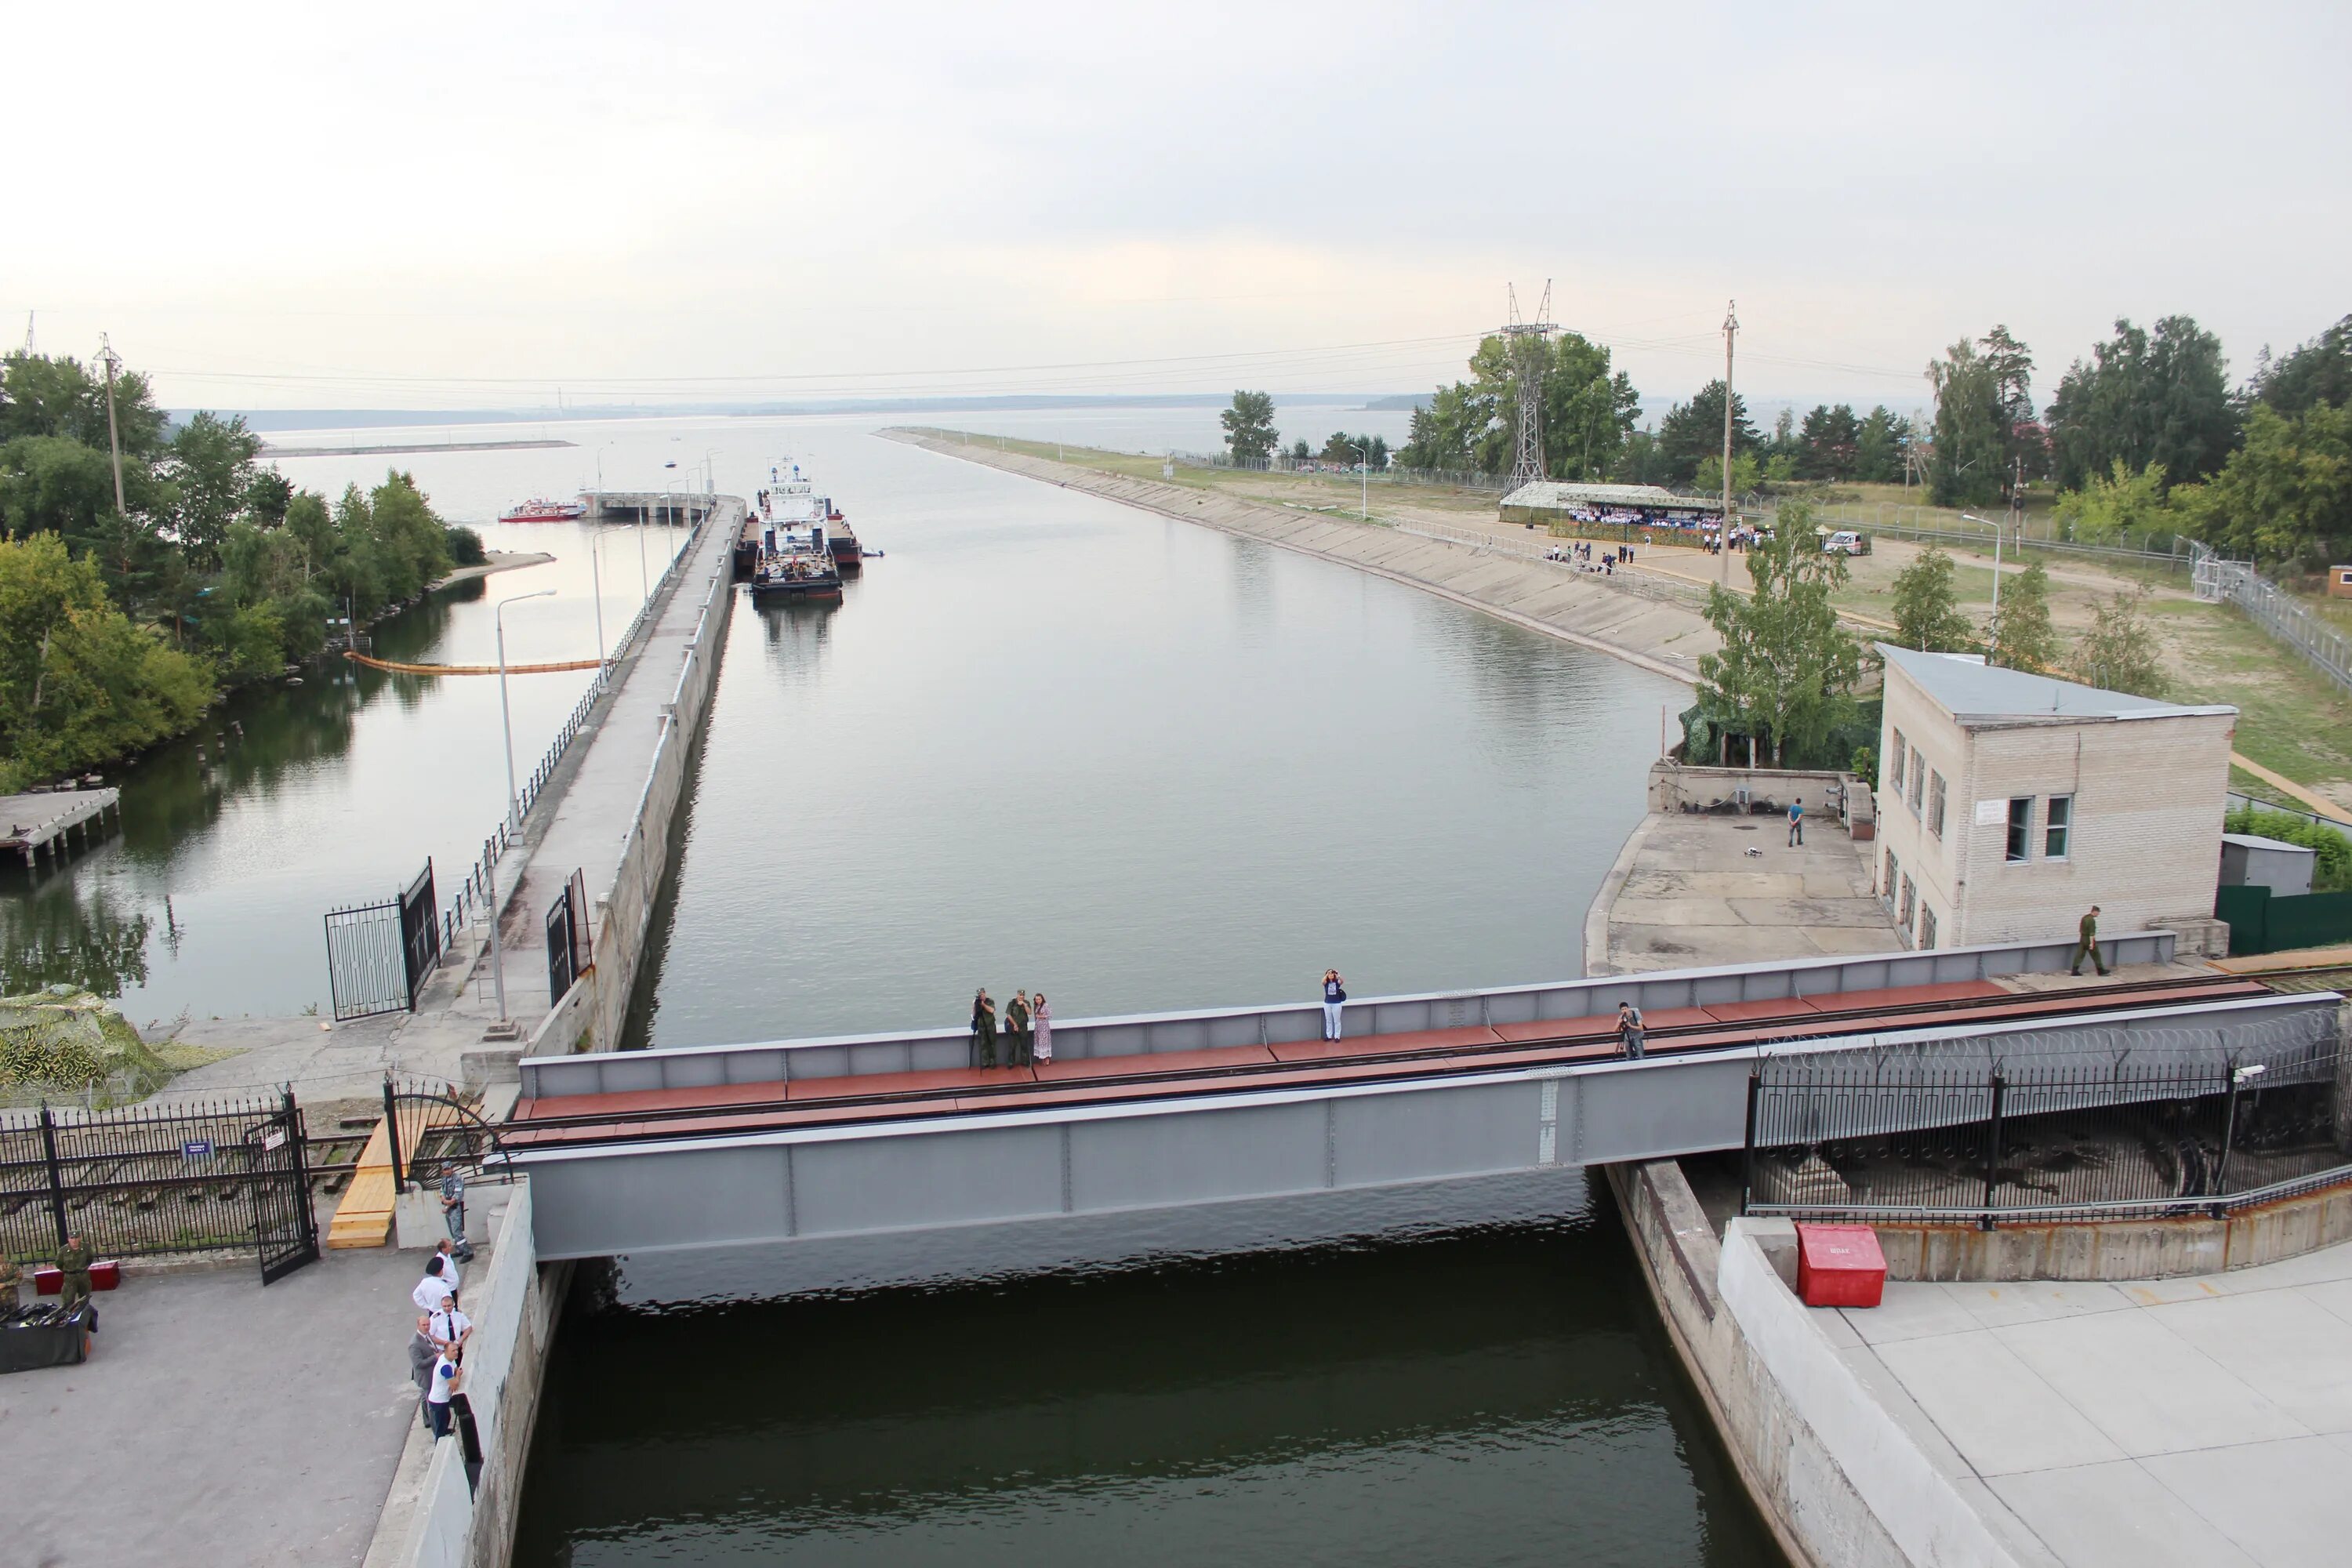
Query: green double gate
pixel 2261 921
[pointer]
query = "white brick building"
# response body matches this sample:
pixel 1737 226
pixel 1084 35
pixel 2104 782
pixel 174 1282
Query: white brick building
pixel 2010 804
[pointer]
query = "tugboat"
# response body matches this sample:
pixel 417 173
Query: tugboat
pixel 545 510
pixel 790 506
pixel 785 544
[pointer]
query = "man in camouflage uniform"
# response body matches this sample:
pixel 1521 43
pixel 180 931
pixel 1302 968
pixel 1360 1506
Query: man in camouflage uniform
pixel 73 1261
pixel 11 1303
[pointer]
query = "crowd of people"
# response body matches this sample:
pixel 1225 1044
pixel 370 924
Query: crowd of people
pixel 1027 1034
pixel 437 1349
pixel 1581 556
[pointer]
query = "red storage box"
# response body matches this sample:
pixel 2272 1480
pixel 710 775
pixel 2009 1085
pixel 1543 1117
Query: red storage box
pixel 105 1274
pixel 1840 1266
pixel 47 1281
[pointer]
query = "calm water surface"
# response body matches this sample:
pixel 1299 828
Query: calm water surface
pixel 1052 742
pixel 1491 1395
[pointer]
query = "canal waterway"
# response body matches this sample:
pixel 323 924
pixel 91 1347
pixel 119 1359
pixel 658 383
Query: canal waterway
pixel 1490 1394
pixel 1050 741
pixel 1053 742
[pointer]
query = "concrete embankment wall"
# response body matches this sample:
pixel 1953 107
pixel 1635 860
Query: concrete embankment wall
pixel 2120 1249
pixel 433 1518
pixel 1839 1481
pixel 1596 612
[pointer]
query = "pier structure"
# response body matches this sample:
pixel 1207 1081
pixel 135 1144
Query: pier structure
pixel 669 508
pixel 50 820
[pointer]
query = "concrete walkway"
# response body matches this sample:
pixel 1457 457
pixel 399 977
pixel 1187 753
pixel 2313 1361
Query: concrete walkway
pixel 2203 1422
pixel 1685 890
pixel 216 1422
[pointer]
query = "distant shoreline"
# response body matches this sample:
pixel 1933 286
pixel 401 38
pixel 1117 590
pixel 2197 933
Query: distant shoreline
pixel 409 447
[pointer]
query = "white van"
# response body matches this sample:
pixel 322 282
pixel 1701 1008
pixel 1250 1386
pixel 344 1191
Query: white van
pixel 1845 541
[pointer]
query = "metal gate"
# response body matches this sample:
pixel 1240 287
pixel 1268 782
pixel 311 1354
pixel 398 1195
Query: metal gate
pixel 379 954
pixel 568 956
pixel 420 930
pixel 285 1227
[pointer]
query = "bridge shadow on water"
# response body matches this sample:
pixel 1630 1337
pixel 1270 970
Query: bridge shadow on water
pixel 1428 1392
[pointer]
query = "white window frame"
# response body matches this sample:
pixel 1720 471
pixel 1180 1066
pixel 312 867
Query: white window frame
pixel 1895 763
pixel 2064 831
pixel 1918 784
pixel 2012 833
pixel 1928 931
pixel 1936 793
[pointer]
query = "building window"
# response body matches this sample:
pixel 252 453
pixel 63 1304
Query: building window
pixel 1936 805
pixel 1918 781
pixel 2020 828
pixel 1895 766
pixel 1926 926
pixel 1893 873
pixel 2058 826
pixel 1910 901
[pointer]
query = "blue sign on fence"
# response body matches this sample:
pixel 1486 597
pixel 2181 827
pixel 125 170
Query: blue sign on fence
pixel 196 1149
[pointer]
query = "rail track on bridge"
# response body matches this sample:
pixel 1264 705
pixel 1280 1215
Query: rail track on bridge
pixel 643 1116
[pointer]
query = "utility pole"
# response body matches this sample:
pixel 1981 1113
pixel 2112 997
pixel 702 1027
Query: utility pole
pixel 1730 331
pixel 113 437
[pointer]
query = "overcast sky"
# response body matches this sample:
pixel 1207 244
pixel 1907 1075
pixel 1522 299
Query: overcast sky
pixel 446 205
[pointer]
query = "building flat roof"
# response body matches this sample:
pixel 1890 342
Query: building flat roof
pixel 1554 493
pixel 1973 690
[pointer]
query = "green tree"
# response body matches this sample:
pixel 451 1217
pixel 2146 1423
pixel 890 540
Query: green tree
pixel 1880 443
pixel 2318 373
pixel 2119 652
pixel 1250 435
pixel 45 396
pixel 1746 474
pixel 1971 429
pixel 1786 667
pixel 212 475
pixel 1588 410
pixel 1829 443
pixel 2121 505
pixel 2143 399
pixel 2285 495
pixel 79 684
pixel 2019 634
pixel 1692 432
pixel 1927 608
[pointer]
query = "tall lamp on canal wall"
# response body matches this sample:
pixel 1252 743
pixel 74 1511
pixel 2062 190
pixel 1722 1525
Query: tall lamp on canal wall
pixel 504 1028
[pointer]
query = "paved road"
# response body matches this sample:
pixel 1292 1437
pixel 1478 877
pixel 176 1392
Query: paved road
pixel 2204 1421
pixel 217 1422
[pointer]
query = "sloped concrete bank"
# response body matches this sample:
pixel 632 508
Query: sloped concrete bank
pixel 1592 612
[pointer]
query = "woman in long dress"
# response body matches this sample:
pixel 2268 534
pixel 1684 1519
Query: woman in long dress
pixel 1041 1019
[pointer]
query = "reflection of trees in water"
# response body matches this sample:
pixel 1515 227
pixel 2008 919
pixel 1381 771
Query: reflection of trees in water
pixel 1531 687
pixel 48 936
pixel 176 791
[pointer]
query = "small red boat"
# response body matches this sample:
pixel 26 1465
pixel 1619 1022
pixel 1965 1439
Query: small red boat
pixel 543 511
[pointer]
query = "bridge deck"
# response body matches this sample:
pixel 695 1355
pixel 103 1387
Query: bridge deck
pixel 718 1109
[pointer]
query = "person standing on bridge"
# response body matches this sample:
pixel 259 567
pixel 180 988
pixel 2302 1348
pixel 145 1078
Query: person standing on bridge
pixel 1335 996
pixel 1630 1032
pixel 1041 1023
pixel 1016 1029
pixel 984 1029
pixel 2086 944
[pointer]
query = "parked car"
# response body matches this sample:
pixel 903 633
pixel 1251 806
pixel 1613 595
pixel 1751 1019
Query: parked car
pixel 1844 542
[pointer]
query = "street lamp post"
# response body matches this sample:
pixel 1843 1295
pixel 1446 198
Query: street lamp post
pixel 596 582
pixel 1364 489
pixel 514 815
pixel 1997 531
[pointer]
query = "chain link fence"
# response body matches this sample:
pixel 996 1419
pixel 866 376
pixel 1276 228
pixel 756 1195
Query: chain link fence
pixel 2272 609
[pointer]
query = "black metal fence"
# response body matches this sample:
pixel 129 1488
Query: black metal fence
pixel 378 956
pixel 226 1175
pixel 2030 1133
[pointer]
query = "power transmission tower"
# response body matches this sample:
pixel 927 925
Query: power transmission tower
pixel 113 362
pixel 1528 342
pixel 29 349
